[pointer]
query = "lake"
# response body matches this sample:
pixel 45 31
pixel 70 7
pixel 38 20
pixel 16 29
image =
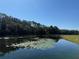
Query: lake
pixel 63 49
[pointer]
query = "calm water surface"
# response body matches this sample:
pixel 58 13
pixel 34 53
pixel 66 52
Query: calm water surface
pixel 62 50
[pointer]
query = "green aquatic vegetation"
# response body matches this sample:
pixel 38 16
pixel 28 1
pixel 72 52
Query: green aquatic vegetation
pixel 42 43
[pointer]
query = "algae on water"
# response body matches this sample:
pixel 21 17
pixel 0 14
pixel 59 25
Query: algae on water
pixel 39 44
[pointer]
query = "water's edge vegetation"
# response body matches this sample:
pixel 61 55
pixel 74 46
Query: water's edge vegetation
pixel 72 38
pixel 35 41
pixel 23 41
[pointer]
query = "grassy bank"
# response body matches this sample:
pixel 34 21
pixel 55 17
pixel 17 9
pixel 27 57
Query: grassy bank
pixel 72 38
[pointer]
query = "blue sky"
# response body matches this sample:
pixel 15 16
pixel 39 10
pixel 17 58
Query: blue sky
pixel 61 13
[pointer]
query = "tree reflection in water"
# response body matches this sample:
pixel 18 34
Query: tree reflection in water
pixel 5 47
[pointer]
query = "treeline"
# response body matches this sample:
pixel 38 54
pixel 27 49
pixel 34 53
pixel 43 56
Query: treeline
pixel 10 26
